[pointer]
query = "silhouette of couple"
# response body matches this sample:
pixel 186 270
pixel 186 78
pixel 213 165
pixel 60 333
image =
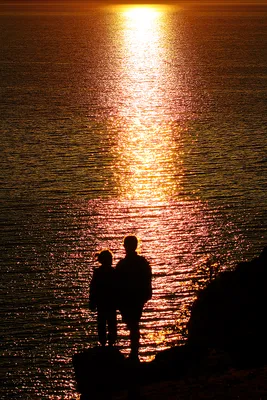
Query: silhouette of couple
pixel 126 288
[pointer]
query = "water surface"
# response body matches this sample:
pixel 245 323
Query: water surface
pixel 122 121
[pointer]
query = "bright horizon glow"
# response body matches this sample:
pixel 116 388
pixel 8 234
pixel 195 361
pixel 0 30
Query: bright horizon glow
pixel 62 7
pixel 141 15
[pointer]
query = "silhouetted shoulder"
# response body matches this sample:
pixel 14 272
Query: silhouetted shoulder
pixel 133 260
pixel 103 272
pixel 120 264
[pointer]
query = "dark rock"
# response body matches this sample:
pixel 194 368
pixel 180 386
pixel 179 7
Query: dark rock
pixel 174 362
pixel 226 328
pixel 99 369
pixel 229 314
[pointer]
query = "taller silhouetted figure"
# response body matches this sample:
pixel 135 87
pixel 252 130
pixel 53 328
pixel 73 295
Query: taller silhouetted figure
pixel 134 289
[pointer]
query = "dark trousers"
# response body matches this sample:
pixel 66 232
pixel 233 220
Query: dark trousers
pixel 107 319
pixel 131 316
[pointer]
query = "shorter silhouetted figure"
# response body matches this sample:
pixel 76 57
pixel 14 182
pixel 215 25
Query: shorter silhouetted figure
pixel 134 289
pixel 102 298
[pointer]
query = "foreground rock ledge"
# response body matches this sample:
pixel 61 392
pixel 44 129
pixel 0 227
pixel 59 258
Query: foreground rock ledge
pixel 226 332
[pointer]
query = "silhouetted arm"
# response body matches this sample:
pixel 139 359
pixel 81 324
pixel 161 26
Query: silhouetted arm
pixel 148 289
pixel 93 293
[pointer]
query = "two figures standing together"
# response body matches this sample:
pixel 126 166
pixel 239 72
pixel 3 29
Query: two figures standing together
pixel 127 287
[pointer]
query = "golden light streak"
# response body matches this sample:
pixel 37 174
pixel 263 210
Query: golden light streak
pixel 147 151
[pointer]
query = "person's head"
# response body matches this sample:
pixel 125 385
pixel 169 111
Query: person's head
pixel 105 257
pixel 130 243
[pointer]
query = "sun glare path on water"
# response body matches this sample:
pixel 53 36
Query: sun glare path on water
pixel 146 147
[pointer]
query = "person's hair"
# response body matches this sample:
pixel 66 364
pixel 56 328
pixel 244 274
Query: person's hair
pixel 130 242
pixel 104 257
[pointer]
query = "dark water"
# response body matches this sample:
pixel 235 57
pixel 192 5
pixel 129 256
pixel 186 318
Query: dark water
pixel 115 122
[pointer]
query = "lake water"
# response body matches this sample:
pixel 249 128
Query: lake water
pixel 118 121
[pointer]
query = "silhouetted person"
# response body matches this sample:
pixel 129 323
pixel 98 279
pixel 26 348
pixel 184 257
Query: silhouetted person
pixel 102 298
pixel 134 289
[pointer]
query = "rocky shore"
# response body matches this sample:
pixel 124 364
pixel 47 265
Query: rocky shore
pixel 213 379
pixel 224 357
pixel 232 384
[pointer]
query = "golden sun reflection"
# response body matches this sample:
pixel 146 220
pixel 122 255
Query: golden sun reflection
pixel 149 162
pixel 141 16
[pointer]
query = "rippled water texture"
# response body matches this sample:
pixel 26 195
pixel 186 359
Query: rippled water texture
pixel 124 120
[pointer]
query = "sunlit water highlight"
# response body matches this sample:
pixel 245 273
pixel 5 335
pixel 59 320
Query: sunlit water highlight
pixel 131 120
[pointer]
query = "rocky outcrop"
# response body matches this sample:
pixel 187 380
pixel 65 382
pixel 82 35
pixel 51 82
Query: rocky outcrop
pixel 99 370
pixel 230 313
pixel 227 328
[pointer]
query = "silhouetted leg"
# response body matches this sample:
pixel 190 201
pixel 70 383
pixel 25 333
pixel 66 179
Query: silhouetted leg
pixel 112 328
pixel 134 367
pixel 101 326
pixel 134 337
pixel 131 316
